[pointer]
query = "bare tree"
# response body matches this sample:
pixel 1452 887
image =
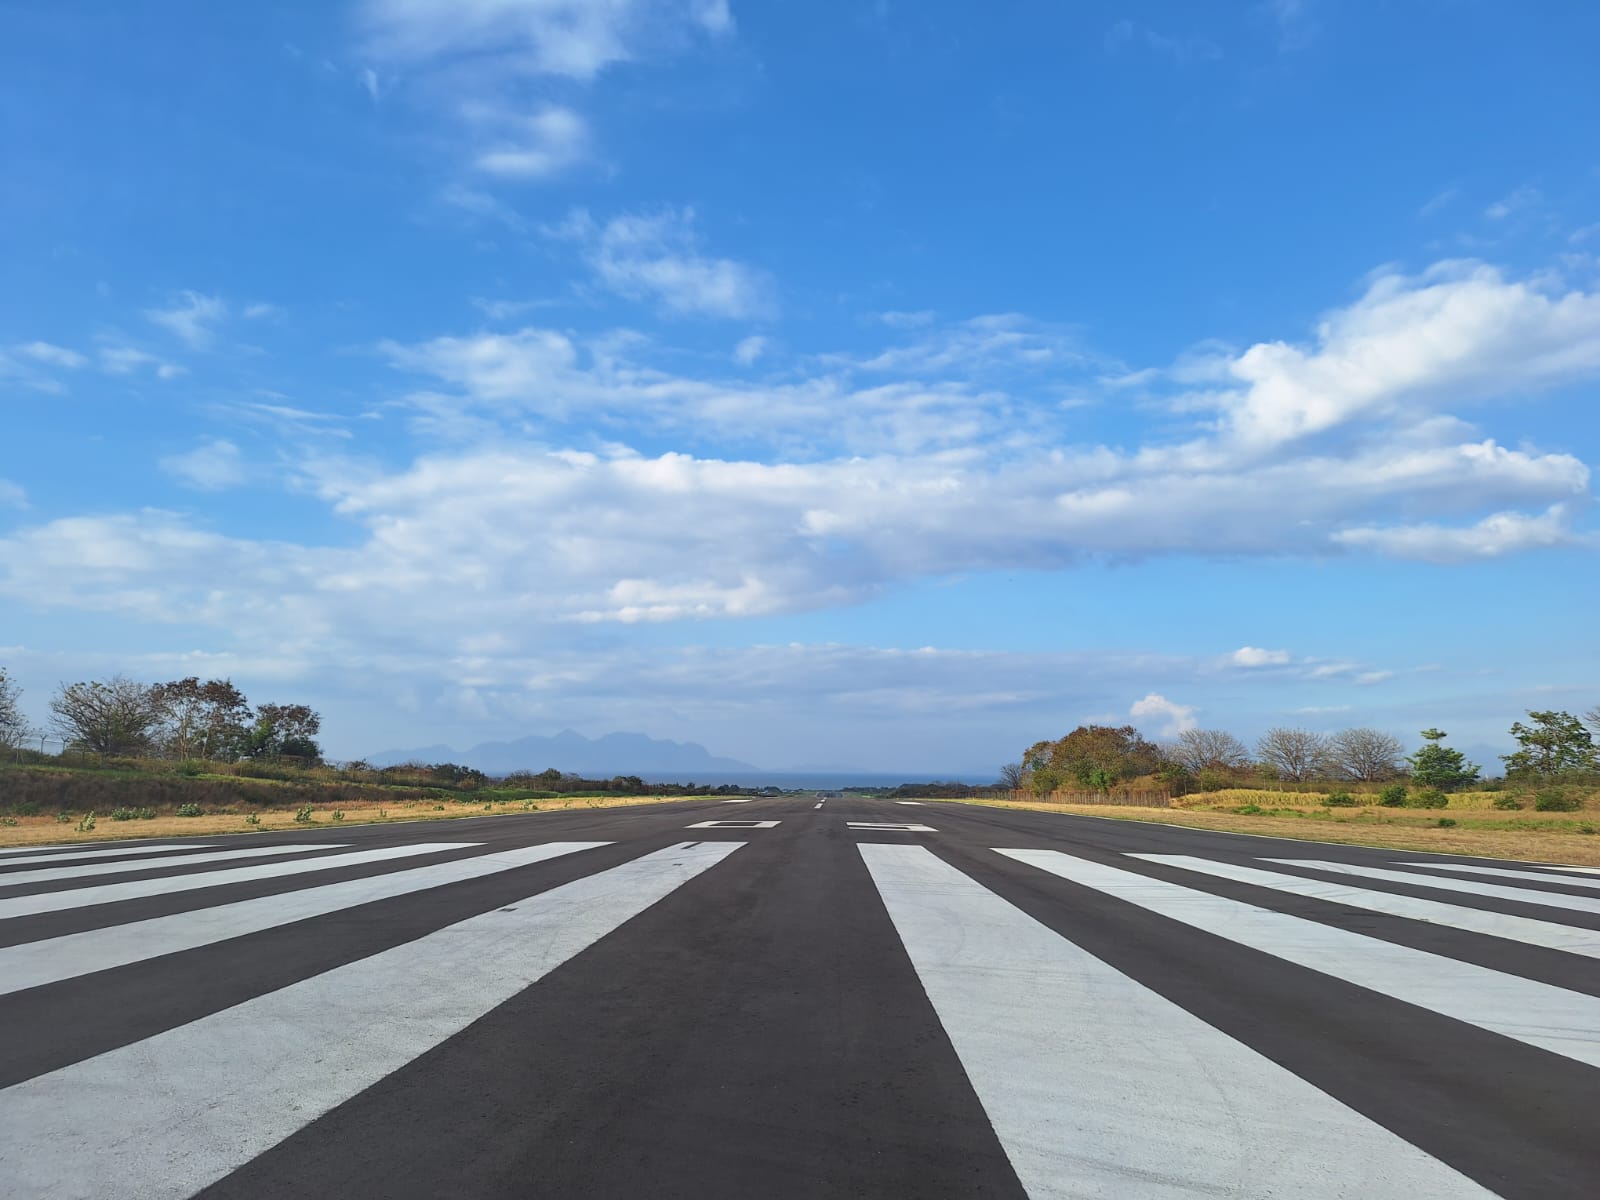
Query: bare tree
pixel 201 720
pixel 1592 719
pixel 14 729
pixel 1296 754
pixel 1210 749
pixel 1011 776
pixel 115 716
pixel 1365 754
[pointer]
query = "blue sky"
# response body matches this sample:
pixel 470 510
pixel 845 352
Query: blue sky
pixel 884 385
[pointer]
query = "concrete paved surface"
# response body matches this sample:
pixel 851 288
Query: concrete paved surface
pixel 786 999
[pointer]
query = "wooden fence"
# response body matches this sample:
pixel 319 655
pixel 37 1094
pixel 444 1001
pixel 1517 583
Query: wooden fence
pixel 1130 797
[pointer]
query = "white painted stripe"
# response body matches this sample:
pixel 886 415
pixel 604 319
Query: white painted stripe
pixel 1471 887
pixel 1552 1018
pixel 914 803
pixel 86 870
pixel 733 825
pixel 818 804
pixel 1435 912
pixel 1099 1087
pixel 890 827
pixel 35 963
pixel 1504 873
pixel 741 800
pixel 176 1112
pixel 34 857
pixel 110 893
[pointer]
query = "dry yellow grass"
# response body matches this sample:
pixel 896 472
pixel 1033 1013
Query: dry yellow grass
pixel 46 830
pixel 1546 837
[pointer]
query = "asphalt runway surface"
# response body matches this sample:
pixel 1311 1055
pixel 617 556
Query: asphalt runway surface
pixel 792 998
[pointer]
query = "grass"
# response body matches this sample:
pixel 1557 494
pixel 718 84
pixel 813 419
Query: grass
pixel 1526 835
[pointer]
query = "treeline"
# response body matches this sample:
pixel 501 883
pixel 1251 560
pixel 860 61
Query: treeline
pixel 1553 747
pixel 550 780
pixel 183 718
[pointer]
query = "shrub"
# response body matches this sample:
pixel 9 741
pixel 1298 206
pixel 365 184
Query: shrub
pixel 1446 823
pixel 1552 801
pixel 1507 803
pixel 133 814
pixel 25 808
pixel 190 810
pixel 86 825
pixel 63 818
pixel 1393 796
pixel 303 815
pixel 338 814
pixel 252 819
pixel 1339 800
pixel 1248 810
pixel 190 769
pixel 1427 798
pixel 8 820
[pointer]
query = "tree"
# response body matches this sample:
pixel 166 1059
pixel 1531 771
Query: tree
pixel 1295 754
pixel 1210 750
pixel 1011 776
pixel 281 729
pixel 116 716
pixel 1555 744
pixel 1097 756
pixel 202 720
pixel 1438 766
pixel 1592 719
pixel 14 729
pixel 1365 755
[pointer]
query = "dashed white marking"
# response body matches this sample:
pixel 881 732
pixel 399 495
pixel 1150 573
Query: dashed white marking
pixel 85 870
pixel 1588 904
pixel 1144 1099
pixel 1552 1018
pixel 817 805
pixel 37 963
pixel 890 827
pixel 733 825
pixel 1475 920
pixel 170 1115
pixel 741 800
pixel 109 893
pixel 34 857
pixel 915 803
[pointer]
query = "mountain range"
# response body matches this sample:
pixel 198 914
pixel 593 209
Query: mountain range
pixel 602 757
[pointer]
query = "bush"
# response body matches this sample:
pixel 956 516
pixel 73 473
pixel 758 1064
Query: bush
pixel 1339 800
pixel 1393 796
pixel 1428 798
pixel 25 808
pixel 1507 803
pixel 190 810
pixel 86 825
pixel 1248 810
pixel 1556 802
pixel 303 815
pixel 252 819
pixel 190 769
pixel 1446 823
pixel 133 814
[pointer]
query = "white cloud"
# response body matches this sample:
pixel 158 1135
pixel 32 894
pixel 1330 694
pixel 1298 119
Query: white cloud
pixel 51 355
pixel 1253 656
pixel 1297 28
pixel 211 466
pixel 1439 201
pixel 1493 537
pixel 1176 718
pixel 125 360
pixel 908 320
pixel 1521 200
pixel 191 319
pixel 262 311
pixel 995 340
pixel 749 350
pixel 535 146
pixel 12 495
pixel 657 257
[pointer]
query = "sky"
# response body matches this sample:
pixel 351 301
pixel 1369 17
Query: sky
pixel 880 385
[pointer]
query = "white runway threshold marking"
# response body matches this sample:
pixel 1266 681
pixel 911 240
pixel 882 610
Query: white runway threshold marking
pixel 1537 1014
pixel 1098 1086
pixel 176 1112
pixel 110 893
pixel 1568 938
pixel 1588 904
pixel 35 857
pixel 1505 873
pixel 85 870
pixel 35 963
pixel 890 827
pixel 733 825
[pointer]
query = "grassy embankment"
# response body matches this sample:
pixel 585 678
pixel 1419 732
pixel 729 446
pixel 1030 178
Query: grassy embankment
pixel 49 802
pixel 1469 824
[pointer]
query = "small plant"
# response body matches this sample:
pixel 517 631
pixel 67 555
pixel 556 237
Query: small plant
pixel 190 769
pixel 133 814
pixel 1339 800
pixel 1556 802
pixel 1248 810
pixel 487 807
pixel 86 825
pixel 382 813
pixel 303 815
pixel 1586 828
pixel 64 818
pixel 438 808
pixel 338 814
pixel 8 821
pixel 1393 796
pixel 1507 803
pixel 1428 798
pixel 190 810
pixel 1447 823
pixel 252 819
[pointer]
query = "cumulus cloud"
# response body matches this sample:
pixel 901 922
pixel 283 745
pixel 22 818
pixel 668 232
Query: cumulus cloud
pixel 1253 656
pixel 192 319
pixel 211 466
pixel 749 349
pixel 1494 536
pixel 658 257
pixel 533 146
pixel 51 355
pixel 12 495
pixel 1174 718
